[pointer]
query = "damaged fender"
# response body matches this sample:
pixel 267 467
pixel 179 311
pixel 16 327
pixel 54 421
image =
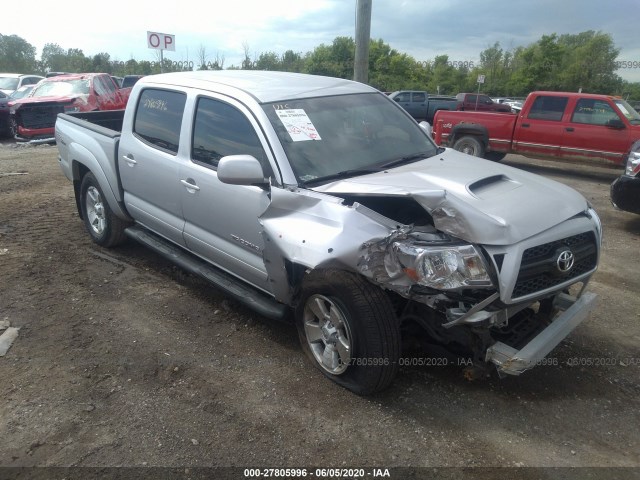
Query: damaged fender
pixel 316 230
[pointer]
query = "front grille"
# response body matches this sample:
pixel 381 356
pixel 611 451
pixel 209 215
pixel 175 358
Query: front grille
pixel 39 116
pixel 539 270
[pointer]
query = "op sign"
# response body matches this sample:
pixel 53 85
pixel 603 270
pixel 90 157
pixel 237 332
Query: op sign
pixel 161 41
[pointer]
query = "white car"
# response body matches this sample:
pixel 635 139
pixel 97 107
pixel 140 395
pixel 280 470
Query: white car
pixel 10 82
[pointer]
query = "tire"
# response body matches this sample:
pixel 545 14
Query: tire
pixel 13 127
pixel 469 145
pixel 105 228
pixel 349 330
pixel 495 156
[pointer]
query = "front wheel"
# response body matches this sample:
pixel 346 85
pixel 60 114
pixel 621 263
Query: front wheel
pixel 13 127
pixel 104 227
pixel 349 330
pixel 469 145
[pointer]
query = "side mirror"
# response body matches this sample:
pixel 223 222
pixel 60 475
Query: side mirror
pixel 241 170
pixel 615 123
pixel 426 126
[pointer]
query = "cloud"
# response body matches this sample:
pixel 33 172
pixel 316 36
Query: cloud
pixel 422 29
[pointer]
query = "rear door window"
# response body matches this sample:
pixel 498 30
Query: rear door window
pixel 159 118
pixel 548 108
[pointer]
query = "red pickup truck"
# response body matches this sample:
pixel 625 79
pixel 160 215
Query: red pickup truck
pixel 476 102
pixel 572 126
pixel 33 118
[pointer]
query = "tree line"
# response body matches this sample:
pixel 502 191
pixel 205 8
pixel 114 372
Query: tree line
pixel 568 62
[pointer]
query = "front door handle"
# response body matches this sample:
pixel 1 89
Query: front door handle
pixel 129 159
pixel 569 129
pixel 190 186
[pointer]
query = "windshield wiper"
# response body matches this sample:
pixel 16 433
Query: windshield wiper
pixel 374 169
pixel 406 159
pixel 342 174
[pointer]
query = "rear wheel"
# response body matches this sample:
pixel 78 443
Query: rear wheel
pixel 104 227
pixel 469 145
pixel 349 330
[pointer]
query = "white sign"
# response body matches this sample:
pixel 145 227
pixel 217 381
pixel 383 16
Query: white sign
pixel 298 124
pixel 161 41
pixel 480 78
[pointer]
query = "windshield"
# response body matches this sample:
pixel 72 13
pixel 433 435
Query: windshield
pixel 628 111
pixel 62 88
pixel 8 83
pixel 21 92
pixel 327 136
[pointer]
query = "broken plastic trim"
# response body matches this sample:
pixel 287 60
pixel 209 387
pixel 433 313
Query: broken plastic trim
pixel 514 362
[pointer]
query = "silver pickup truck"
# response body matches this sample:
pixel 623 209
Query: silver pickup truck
pixel 321 201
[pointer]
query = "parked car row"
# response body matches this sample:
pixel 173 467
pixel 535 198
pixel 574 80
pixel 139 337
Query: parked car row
pixel 10 82
pixel 422 106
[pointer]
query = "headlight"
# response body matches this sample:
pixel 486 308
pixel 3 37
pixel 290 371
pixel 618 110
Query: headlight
pixel 633 164
pixel 442 268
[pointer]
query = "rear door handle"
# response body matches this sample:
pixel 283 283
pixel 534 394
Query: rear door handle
pixel 525 125
pixel 129 159
pixel 190 186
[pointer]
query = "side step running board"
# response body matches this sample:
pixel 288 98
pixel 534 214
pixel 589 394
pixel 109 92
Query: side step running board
pixel 243 293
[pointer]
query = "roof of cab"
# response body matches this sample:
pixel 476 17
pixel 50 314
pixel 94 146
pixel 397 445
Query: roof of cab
pixel 264 86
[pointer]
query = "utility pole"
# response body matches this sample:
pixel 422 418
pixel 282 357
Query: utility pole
pixel 363 34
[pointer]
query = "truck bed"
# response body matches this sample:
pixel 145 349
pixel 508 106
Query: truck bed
pixel 105 122
pixel 497 127
pixel 96 137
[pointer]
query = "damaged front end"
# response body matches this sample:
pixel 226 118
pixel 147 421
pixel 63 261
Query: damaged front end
pixel 506 305
pixel 35 121
pixel 450 285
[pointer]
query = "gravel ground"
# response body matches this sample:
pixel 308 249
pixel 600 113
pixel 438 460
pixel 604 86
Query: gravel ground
pixel 124 360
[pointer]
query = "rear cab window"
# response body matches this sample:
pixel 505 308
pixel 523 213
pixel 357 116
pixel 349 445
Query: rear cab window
pixel 546 107
pixel 159 118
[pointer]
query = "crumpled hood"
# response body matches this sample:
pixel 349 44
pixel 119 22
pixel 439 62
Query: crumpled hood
pixel 50 99
pixel 473 199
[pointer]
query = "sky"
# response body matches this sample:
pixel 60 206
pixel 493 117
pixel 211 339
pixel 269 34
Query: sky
pixel 420 28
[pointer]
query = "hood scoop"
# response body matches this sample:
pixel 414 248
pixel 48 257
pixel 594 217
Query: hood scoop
pixel 492 186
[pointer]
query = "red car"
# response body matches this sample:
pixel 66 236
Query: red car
pixel 572 126
pixel 34 117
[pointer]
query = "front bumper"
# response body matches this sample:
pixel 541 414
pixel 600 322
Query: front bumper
pixel 625 193
pixel 510 361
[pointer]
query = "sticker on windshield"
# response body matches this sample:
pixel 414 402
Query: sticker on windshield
pixel 298 125
pixel 624 111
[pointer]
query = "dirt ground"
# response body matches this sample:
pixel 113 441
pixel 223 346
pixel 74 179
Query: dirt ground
pixel 124 360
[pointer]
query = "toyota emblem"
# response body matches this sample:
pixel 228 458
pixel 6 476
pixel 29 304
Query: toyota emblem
pixel 565 261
